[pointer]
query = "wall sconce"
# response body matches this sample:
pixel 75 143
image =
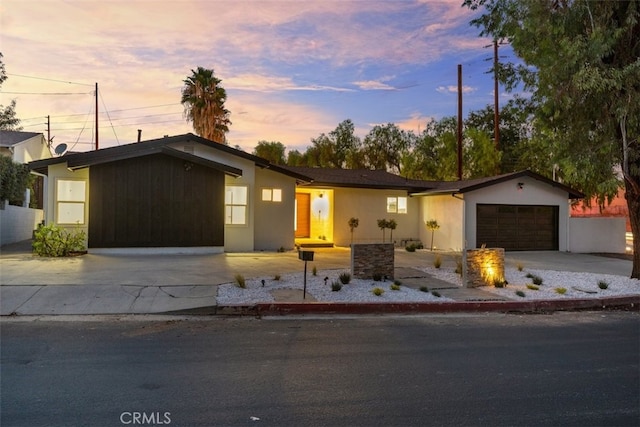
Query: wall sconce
pixel 520 186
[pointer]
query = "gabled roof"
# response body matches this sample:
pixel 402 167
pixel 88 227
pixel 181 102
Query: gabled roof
pixel 9 138
pixel 360 178
pixel 159 145
pixel 466 186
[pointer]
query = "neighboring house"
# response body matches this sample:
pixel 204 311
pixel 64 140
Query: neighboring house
pixel 23 147
pixel 516 211
pixel 18 222
pixel 188 192
pixel 174 192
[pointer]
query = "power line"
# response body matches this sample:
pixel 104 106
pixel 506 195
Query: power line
pixel 48 93
pixel 51 80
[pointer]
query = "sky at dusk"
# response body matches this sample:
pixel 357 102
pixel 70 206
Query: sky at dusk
pixel 292 69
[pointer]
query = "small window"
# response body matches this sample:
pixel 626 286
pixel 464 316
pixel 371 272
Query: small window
pixel 271 195
pixel 71 197
pixel 397 205
pixel 235 203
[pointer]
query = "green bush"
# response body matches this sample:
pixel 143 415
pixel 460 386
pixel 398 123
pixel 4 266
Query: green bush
pixel 345 278
pixel 520 267
pixel 424 289
pixel 537 280
pixel 520 294
pixel 276 277
pixel 314 271
pixel 240 282
pixel 395 287
pixel 377 277
pixel 533 287
pixel 378 291
pixel 436 294
pixel 561 291
pixel 603 285
pixel 397 282
pixel 54 241
pixel 500 283
pixel 336 286
pixel 410 248
pixel 15 178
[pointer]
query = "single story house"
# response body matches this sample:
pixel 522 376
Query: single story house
pixel 188 192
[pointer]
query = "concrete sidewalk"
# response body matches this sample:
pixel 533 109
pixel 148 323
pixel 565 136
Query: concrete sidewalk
pixel 143 284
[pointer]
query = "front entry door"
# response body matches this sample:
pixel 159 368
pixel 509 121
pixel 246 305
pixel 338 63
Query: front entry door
pixel 303 215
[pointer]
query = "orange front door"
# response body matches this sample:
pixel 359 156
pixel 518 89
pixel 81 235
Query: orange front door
pixel 303 216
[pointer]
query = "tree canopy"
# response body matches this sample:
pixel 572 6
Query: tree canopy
pixel 203 99
pixel 8 119
pixel 581 63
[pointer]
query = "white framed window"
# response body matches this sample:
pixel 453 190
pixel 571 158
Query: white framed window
pixel 235 205
pixel 71 197
pixel 397 205
pixel 271 194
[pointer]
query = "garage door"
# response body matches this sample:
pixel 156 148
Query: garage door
pixel 517 227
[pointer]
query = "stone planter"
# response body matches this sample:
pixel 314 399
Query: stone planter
pixel 368 260
pixel 483 267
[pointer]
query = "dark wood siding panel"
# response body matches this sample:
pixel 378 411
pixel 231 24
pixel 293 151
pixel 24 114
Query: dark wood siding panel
pixel 518 227
pixel 154 201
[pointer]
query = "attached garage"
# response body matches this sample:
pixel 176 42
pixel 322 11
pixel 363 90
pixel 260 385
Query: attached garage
pixel 518 227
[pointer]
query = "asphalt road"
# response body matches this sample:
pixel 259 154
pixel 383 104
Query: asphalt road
pixel 565 369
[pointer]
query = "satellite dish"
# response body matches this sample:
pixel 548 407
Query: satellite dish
pixel 60 149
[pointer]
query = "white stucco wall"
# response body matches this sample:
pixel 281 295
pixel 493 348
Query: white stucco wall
pixel 31 149
pixel 17 223
pixel 449 212
pixel 370 205
pixel 533 192
pixel 274 221
pixel 589 235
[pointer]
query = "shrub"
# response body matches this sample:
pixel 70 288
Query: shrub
pixel 561 291
pixel 336 286
pixel 533 287
pixel 377 277
pixel 437 262
pixel 424 289
pixel 281 249
pixel 459 265
pixel 345 277
pixel 395 287
pixel 314 271
pixel 378 291
pixel 436 294
pixel 602 284
pixel 410 248
pixel 276 277
pixel 397 282
pixel 500 283
pixel 240 282
pixel 520 294
pixel 537 280
pixel 519 266
pixel 53 241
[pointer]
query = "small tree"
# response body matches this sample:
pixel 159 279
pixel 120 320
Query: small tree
pixel 353 224
pixel 432 225
pixel 391 225
pixel 382 224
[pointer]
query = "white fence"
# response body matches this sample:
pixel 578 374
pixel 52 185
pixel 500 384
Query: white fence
pixel 593 235
pixel 17 223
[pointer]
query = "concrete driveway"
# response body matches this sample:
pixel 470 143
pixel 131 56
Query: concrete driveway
pixel 122 284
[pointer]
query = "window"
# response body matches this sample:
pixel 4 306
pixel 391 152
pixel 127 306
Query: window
pixel 235 204
pixel 271 195
pixel 71 198
pixel 397 205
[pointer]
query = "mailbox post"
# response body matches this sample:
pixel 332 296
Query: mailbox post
pixel 305 256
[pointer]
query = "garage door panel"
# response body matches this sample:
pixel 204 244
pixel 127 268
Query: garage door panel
pixel 517 227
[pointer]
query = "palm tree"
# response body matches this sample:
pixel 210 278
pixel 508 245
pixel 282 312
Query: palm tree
pixel 203 100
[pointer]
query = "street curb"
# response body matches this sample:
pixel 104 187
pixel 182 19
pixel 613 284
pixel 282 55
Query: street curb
pixel 629 303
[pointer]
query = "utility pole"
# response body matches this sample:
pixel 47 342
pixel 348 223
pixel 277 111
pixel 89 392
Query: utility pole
pixel 459 121
pixel 97 146
pixel 49 131
pixel 496 110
